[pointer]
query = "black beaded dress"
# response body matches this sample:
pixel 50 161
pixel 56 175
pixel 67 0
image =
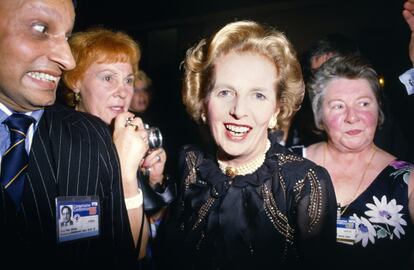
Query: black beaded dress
pixel 280 216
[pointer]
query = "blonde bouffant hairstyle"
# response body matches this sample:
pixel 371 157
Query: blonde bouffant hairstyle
pixel 243 36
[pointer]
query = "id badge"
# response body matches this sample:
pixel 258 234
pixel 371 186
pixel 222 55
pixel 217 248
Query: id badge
pixel 77 218
pixel 345 230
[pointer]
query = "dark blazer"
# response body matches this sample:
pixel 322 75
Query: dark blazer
pixel 70 222
pixel 72 154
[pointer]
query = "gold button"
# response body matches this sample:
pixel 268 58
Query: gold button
pixel 231 171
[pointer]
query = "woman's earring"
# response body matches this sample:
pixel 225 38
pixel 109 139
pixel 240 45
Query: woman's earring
pixel 77 98
pixel 203 117
pixel 273 122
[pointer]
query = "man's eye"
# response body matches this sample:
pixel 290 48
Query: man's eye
pixel 40 28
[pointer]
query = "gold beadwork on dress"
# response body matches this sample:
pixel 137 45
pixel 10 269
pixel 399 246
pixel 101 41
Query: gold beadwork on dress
pixel 203 212
pixel 283 159
pixel 191 160
pixel 279 221
pixel 297 188
pixel 315 194
pixel 315 204
pixel 282 183
pixel 248 168
pixel 315 197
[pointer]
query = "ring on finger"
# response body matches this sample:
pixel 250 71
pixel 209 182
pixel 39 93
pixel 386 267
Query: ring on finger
pixel 134 126
pixel 128 121
pixel 158 158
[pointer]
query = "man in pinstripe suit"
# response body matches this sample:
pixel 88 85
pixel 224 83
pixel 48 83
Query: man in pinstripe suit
pixel 71 154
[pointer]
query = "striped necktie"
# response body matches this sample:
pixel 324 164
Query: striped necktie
pixel 15 160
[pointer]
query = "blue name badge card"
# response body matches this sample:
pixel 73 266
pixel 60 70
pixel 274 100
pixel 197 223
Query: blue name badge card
pixel 77 218
pixel 345 230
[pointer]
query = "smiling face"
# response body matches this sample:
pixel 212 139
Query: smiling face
pixel 241 104
pixel 106 90
pixel 350 114
pixel 33 51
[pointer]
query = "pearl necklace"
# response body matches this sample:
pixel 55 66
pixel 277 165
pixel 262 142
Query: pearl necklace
pixel 248 168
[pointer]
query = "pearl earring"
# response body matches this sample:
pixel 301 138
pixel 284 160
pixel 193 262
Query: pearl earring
pixel 203 117
pixel 273 122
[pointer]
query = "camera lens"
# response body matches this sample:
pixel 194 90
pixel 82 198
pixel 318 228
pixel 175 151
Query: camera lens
pixel 154 137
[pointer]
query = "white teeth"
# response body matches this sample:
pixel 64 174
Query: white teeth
pixel 237 130
pixel 43 76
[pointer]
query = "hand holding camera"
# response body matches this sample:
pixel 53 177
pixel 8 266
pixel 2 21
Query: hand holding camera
pixel 154 162
pixel 158 192
pixel 154 137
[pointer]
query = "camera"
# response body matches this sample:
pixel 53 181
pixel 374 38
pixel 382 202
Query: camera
pixel 154 137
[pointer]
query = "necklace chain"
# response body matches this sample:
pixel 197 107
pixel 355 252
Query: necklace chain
pixel 374 151
pixel 246 168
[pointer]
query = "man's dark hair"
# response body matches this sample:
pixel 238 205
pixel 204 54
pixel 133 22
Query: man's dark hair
pixel 67 207
pixel 334 43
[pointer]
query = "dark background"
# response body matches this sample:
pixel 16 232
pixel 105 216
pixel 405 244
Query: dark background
pixel 166 29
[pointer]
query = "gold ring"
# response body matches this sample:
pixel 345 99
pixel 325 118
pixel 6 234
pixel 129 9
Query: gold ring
pixel 135 126
pixel 128 121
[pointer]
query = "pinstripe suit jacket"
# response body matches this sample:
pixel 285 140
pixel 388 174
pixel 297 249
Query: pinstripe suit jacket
pixel 72 154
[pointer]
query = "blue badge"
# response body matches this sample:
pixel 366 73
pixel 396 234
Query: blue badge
pixel 77 217
pixel 345 230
